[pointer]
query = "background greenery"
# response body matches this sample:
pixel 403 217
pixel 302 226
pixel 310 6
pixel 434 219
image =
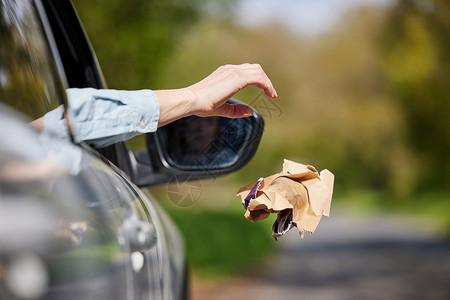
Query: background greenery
pixel 368 100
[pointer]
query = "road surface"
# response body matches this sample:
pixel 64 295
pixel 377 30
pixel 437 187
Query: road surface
pixel 349 257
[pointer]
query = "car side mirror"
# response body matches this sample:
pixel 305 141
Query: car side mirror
pixel 198 148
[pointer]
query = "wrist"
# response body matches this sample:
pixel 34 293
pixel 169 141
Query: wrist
pixel 174 104
pixel 190 100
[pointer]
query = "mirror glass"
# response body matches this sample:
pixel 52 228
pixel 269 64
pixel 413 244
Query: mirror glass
pixel 211 142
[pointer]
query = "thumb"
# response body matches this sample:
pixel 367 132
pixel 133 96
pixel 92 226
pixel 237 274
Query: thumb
pixel 233 111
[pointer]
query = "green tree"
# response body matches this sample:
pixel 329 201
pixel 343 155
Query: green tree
pixel 134 39
pixel 416 47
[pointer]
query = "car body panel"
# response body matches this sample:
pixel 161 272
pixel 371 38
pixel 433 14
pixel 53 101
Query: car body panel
pixel 91 233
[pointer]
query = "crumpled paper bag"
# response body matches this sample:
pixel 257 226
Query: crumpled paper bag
pixel 299 195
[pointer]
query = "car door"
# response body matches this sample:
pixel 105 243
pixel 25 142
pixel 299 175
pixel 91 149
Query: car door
pixel 107 239
pixel 158 262
pixel 59 223
pixel 156 246
pixel 62 226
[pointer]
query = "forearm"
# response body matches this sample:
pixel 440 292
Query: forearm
pixel 38 123
pixel 104 117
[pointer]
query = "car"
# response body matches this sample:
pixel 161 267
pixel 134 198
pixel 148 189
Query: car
pixel 74 221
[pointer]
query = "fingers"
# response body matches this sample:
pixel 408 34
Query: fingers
pixel 253 74
pixel 211 93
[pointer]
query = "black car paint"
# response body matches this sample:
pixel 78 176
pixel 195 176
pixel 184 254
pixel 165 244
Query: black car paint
pixel 97 219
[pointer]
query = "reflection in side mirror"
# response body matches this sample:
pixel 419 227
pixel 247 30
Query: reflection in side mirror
pixel 196 143
pixel 197 148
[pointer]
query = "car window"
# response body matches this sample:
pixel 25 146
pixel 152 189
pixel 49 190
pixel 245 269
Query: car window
pixel 29 81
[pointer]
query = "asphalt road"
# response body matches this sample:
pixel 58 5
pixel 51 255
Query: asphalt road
pixel 349 257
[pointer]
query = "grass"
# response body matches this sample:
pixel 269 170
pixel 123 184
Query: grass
pixel 222 242
pixel 433 205
pixel 219 240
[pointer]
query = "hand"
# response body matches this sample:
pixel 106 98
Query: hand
pixel 211 93
pixel 208 97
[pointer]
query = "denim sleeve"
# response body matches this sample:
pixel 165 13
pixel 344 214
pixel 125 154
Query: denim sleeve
pixel 105 117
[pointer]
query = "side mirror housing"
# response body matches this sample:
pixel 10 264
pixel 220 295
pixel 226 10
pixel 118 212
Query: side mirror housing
pixel 197 148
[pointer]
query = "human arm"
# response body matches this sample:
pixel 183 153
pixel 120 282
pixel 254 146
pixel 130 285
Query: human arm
pixel 38 123
pixel 104 117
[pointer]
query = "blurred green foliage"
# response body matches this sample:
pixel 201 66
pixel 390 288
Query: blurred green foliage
pixel 367 100
pixel 134 39
pixel 416 48
pixel 221 242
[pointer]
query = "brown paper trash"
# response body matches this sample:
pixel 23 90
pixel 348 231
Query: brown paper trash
pixel 299 194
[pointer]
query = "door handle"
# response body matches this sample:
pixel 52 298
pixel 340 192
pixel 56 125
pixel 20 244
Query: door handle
pixel 141 234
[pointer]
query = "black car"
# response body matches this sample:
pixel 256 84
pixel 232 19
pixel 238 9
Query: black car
pixel 73 222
